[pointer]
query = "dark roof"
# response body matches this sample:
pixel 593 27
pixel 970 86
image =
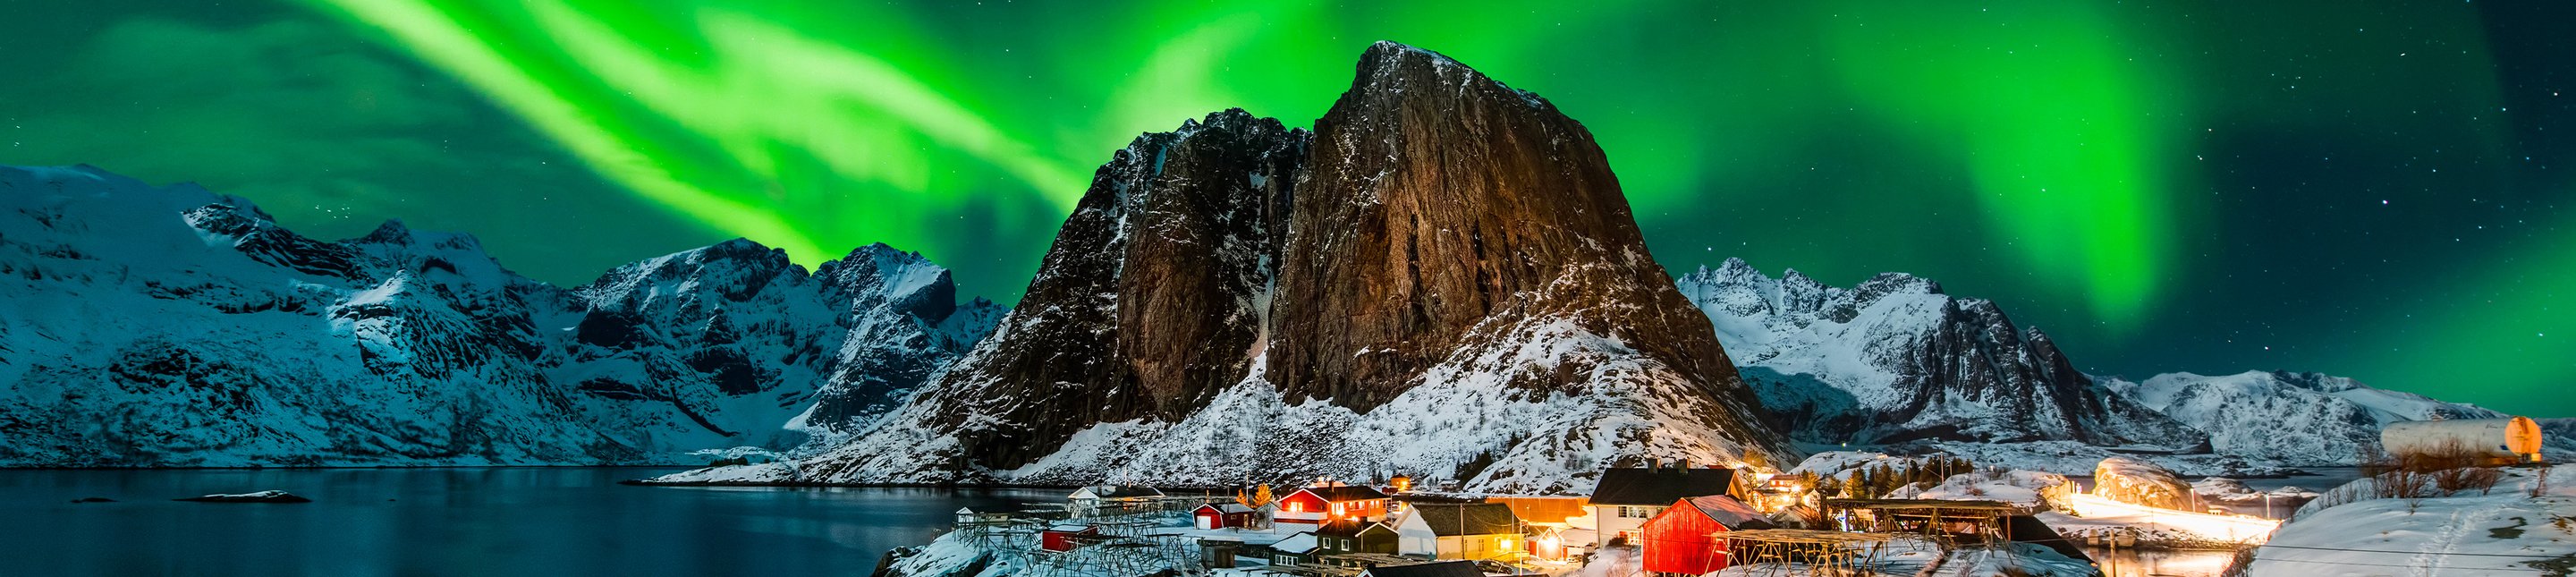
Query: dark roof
pixel 1342 528
pixel 1475 519
pixel 1440 569
pixel 2029 529
pixel 1659 487
pixel 1343 493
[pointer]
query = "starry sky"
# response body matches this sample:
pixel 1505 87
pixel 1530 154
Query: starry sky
pixel 2380 190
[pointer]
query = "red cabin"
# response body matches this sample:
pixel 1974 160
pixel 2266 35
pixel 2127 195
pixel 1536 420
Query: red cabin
pixel 1324 504
pixel 1684 539
pixel 1060 538
pixel 1222 516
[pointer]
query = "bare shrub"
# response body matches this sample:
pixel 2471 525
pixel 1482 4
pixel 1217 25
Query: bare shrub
pixel 2402 484
pixel 2241 564
pixel 2480 479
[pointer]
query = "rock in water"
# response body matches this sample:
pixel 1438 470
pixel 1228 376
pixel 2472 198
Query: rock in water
pixel 269 496
pixel 1443 280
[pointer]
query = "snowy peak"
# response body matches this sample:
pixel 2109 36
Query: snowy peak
pixel 1896 359
pixel 2306 419
pixel 1389 67
pixel 877 275
pixel 168 325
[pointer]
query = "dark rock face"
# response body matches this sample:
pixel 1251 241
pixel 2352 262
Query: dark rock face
pixel 1440 201
pixel 1147 301
pixel 1435 216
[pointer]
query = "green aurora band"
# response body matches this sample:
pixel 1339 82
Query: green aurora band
pixel 2188 185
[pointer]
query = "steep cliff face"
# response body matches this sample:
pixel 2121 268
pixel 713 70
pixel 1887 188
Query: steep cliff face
pixel 1894 359
pixel 1149 301
pixel 169 326
pixel 1441 205
pixel 1444 279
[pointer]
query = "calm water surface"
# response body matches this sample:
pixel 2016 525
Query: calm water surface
pixel 496 521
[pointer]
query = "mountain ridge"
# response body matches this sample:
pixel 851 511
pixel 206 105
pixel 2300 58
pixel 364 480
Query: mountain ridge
pixel 212 336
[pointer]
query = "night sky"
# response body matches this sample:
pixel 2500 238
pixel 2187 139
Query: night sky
pixel 2384 190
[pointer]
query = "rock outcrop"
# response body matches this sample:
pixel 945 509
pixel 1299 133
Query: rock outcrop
pixel 1443 279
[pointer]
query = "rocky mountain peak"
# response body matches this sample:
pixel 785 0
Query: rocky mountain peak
pixel 1441 240
pixel 1438 200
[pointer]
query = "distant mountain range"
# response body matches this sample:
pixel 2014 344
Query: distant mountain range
pixel 170 326
pixel 1896 361
pixel 1443 280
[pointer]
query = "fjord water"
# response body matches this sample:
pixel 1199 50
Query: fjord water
pixel 458 521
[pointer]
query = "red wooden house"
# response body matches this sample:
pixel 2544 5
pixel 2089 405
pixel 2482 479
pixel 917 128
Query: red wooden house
pixel 1317 505
pixel 1213 516
pixel 1060 538
pixel 1684 539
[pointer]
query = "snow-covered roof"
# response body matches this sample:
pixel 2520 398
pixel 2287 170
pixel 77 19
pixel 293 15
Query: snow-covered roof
pixel 1069 528
pixel 1115 492
pixel 1299 543
pixel 1725 510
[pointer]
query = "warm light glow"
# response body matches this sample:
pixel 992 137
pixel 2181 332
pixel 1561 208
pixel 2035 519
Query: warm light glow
pixel 2218 527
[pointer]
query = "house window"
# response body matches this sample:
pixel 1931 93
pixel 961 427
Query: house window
pixel 1283 560
pixel 1337 509
pixel 1296 507
pixel 1636 512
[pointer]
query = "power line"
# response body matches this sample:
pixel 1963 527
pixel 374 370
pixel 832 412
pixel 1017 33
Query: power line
pixel 2352 564
pixel 2419 552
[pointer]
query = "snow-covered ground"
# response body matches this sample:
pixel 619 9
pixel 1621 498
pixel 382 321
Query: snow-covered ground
pixel 2028 488
pixel 2506 530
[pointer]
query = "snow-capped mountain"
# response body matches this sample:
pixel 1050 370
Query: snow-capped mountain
pixel 2304 419
pixel 1895 359
pixel 1442 280
pixel 170 326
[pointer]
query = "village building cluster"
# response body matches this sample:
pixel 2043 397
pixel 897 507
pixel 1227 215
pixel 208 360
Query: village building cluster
pixel 1679 519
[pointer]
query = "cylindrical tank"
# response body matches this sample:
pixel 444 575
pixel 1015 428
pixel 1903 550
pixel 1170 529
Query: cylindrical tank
pixel 2509 437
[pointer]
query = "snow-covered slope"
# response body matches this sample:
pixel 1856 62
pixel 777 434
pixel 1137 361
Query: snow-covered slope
pixel 1894 359
pixel 2521 526
pixel 2300 419
pixel 170 326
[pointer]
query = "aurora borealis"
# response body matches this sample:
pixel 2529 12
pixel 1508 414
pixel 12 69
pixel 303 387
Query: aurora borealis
pixel 2364 190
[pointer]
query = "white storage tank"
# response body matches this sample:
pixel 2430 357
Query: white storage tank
pixel 2515 438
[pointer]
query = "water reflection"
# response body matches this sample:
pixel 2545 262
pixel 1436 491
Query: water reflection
pixel 2129 562
pixel 507 521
